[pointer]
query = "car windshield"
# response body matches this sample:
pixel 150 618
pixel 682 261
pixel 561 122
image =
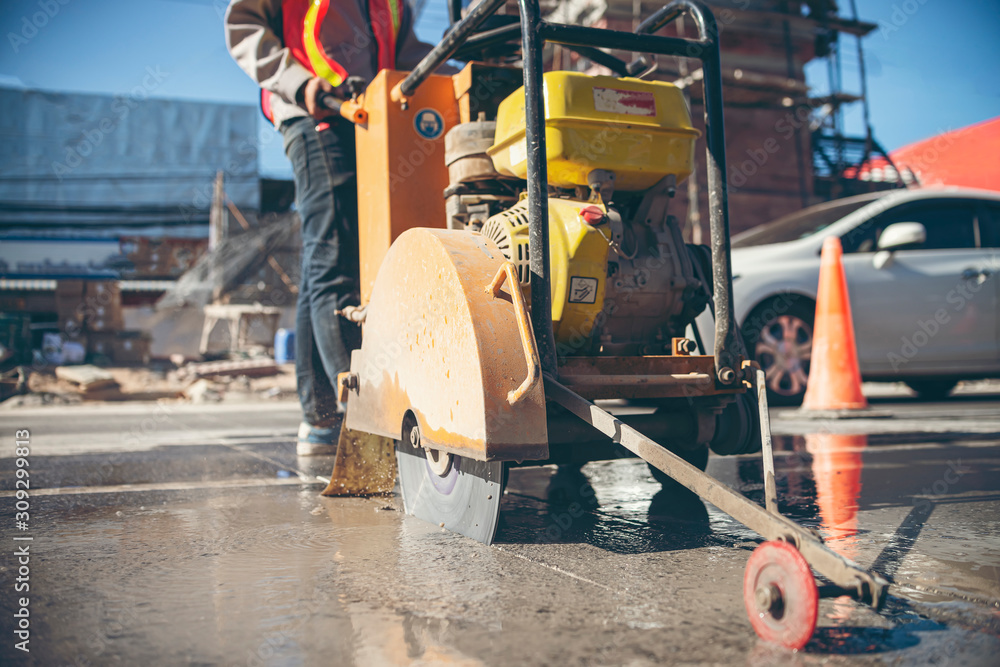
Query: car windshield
pixel 802 223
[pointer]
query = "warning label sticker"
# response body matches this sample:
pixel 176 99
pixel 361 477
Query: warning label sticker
pixel 582 290
pixel 630 102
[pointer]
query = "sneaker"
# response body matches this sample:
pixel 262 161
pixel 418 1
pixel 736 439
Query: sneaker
pixel 317 440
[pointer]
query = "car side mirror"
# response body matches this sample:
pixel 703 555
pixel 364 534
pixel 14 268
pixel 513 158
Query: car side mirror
pixel 895 236
pixel 901 234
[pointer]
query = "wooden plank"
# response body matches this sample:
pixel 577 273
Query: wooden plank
pixel 87 378
pixel 249 367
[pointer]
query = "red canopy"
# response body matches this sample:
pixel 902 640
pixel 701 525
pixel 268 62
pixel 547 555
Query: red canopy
pixel 968 157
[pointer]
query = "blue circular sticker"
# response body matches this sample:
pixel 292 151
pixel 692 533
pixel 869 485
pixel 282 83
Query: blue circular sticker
pixel 428 123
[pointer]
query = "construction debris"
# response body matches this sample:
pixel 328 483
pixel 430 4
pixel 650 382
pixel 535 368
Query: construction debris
pixel 38 400
pixel 12 382
pixel 121 347
pixel 243 267
pixel 244 322
pixel 65 385
pixel 87 378
pixel 258 367
pixel 203 391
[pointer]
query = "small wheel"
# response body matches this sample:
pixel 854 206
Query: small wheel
pixel 780 595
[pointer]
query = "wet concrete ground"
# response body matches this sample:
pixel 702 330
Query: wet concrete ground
pixel 194 535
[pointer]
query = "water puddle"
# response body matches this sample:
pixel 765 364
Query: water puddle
pixel 592 564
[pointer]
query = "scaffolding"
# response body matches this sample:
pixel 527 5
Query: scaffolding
pixel 838 158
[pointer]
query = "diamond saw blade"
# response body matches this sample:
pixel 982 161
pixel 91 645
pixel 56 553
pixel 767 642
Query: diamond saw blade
pixel 461 495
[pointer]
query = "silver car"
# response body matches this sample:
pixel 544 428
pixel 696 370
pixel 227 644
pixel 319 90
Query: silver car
pixel 919 267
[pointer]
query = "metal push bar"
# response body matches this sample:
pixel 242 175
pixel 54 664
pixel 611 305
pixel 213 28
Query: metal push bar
pixel 503 34
pixel 847 578
pixel 534 33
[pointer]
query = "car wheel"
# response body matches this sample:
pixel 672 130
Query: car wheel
pixel 779 335
pixel 932 390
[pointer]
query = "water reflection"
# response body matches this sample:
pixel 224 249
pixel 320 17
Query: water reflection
pixel 395 640
pixel 568 486
pixel 408 558
pixel 836 469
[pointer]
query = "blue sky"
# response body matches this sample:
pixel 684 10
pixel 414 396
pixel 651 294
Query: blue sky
pixel 105 46
pixel 914 89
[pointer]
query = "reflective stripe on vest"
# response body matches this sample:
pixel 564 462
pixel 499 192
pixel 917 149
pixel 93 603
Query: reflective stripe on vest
pixel 384 16
pixel 302 21
pixel 321 64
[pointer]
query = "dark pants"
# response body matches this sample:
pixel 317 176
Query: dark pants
pixel 327 201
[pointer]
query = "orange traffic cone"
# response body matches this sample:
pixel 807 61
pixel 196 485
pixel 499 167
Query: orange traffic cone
pixel 834 379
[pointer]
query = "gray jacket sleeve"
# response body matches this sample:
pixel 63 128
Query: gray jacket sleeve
pixel 253 39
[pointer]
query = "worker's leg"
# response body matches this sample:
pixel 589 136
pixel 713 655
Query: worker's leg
pixel 326 198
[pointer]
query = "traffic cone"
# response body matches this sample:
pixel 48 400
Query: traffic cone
pixel 834 378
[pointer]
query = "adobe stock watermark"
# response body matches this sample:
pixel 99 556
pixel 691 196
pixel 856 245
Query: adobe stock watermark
pixel 116 617
pixel 941 486
pixel 121 107
pixel 33 22
pixel 562 517
pixel 247 152
pixel 958 298
pixel 285 633
pixel 785 128
pixel 901 14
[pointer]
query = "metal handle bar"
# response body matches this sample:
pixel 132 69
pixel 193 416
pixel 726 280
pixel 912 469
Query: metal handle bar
pixel 507 273
pixel 672 11
pixel 488 38
pixel 661 17
pixel 444 50
pixel 348 109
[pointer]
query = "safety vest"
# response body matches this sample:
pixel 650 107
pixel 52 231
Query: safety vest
pixel 301 21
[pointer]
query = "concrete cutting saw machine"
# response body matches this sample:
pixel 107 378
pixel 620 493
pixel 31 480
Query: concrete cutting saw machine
pixel 518 263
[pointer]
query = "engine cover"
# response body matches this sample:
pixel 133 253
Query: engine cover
pixel 618 287
pixel 578 263
pixel 641 130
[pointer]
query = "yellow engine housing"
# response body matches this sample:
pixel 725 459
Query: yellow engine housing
pixel 640 130
pixel 578 263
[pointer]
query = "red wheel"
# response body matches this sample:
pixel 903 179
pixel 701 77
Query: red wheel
pixel 780 595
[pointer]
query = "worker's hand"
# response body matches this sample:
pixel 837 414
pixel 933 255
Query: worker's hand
pixel 311 92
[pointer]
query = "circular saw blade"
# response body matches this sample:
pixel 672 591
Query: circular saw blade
pixel 465 500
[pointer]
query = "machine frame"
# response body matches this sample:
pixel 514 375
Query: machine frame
pixel 535 32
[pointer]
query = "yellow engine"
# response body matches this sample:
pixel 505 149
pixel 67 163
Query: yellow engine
pixel 578 242
pixel 623 281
